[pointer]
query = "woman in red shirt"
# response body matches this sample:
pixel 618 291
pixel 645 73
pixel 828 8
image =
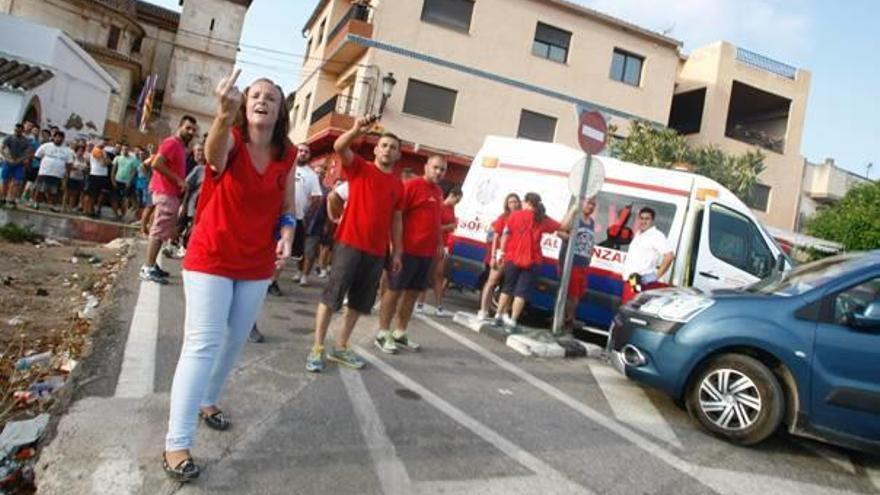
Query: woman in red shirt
pixel 448 224
pixel 247 197
pixel 521 248
pixel 511 204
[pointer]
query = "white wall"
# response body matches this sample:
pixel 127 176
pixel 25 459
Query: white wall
pixel 79 87
pixel 11 110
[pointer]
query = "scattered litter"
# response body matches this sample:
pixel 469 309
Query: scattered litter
pixel 49 242
pixel 46 386
pixel 16 321
pixel 18 434
pixel 74 260
pixel 67 364
pixel 90 309
pixel 94 259
pixel 28 362
pixel 119 243
pixel 42 292
pixel 74 276
pixel 7 280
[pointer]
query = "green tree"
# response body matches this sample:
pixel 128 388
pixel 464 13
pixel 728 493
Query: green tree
pixel 664 148
pixel 853 222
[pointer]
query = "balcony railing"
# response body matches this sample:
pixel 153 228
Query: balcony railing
pixel 765 63
pixel 339 104
pixel 357 13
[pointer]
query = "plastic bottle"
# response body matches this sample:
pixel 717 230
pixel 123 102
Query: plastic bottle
pixel 27 362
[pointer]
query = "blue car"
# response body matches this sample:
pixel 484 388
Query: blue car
pixel 800 349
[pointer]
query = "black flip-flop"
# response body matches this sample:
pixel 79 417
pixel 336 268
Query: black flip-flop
pixel 186 470
pixel 215 421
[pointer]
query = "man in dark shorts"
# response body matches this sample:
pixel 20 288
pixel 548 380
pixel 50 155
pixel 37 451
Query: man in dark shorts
pixel 422 211
pixel 15 156
pixel 372 216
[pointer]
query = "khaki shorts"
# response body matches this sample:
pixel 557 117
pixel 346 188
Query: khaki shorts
pixel 164 225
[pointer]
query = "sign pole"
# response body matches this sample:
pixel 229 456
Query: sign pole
pixel 562 293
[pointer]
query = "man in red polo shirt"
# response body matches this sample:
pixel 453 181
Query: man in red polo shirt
pixel 422 212
pixel 167 185
pixel 372 217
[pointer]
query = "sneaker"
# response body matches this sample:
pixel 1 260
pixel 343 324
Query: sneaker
pixel 181 252
pixel 385 343
pixel 162 273
pixel 322 273
pixel 274 289
pixel 509 324
pixel 303 281
pixel 346 357
pixel 440 312
pixel 171 252
pixel 255 336
pixel 401 339
pixel 420 307
pixel 482 315
pixel 150 274
pixel 315 360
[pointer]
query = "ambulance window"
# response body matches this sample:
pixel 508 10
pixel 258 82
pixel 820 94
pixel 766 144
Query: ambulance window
pixel 615 218
pixel 736 240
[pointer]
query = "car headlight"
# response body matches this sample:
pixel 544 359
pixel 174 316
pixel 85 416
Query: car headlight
pixel 678 307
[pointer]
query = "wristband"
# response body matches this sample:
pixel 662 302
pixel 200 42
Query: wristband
pixel 286 220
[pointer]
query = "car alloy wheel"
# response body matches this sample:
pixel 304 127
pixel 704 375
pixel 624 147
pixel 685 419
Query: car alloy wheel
pixel 730 399
pixel 736 397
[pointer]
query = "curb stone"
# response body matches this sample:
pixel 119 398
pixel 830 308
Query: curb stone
pixel 531 341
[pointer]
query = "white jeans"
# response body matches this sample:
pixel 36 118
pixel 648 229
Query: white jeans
pixel 220 312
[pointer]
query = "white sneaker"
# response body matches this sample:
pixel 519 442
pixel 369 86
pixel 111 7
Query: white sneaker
pixel 508 322
pixel 385 343
pixel 322 273
pixel 482 315
pixel 439 312
pixel 420 307
pixel 303 281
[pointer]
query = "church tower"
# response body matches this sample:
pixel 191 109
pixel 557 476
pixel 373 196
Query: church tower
pixel 204 51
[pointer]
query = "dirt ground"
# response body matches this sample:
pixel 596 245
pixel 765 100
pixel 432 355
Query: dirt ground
pixel 44 289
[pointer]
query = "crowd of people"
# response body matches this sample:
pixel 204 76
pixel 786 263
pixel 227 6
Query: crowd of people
pixel 241 202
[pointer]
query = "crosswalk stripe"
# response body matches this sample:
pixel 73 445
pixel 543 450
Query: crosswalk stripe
pixel 546 475
pixel 389 469
pixel 139 361
pixel 631 404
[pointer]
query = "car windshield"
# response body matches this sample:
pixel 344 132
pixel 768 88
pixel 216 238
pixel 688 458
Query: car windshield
pixel 805 278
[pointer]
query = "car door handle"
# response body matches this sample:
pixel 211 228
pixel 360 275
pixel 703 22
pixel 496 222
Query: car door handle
pixel 710 275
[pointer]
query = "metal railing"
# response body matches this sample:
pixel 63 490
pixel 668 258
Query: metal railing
pixel 341 104
pixel 765 63
pixel 357 13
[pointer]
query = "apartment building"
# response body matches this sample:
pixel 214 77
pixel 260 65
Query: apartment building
pixel 465 69
pixel 824 184
pixel 740 101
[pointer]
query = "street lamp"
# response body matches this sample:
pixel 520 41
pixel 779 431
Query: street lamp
pixel 388 83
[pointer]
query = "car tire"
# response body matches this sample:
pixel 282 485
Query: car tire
pixel 737 398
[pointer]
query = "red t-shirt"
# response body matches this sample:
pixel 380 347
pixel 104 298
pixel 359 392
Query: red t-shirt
pixel 523 247
pixel 422 202
pixel 174 152
pixel 238 212
pixel 447 216
pixel 497 230
pixel 373 197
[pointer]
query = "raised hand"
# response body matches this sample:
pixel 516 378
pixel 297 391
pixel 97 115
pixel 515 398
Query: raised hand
pixel 228 97
pixel 364 124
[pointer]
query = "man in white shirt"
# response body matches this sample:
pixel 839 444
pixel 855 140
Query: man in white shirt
pixel 648 259
pixel 55 159
pixel 308 200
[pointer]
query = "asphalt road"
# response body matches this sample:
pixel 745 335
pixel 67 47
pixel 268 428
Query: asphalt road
pixel 465 415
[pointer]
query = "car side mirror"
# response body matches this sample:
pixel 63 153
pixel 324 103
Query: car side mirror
pixel 780 262
pixel 869 318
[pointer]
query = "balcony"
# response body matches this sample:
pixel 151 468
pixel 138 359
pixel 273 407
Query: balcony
pixel 336 113
pixel 341 52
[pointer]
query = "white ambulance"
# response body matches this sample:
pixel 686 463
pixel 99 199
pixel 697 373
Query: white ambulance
pixel 718 241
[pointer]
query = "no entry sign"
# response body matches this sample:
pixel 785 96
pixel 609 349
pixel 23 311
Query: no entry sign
pixel 592 132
